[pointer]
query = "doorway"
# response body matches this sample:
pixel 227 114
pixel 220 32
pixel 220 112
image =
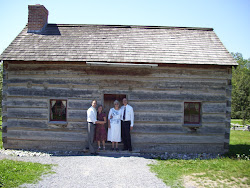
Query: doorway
pixel 109 101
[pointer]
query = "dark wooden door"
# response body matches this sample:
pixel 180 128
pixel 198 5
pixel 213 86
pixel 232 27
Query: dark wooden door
pixel 109 101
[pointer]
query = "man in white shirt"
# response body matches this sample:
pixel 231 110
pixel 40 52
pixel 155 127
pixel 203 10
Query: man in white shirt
pixel 127 119
pixel 92 120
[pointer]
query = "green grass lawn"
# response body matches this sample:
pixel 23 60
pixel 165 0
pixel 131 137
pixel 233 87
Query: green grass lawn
pixel 239 143
pixel 239 121
pixel 222 172
pixel 1 142
pixel 15 173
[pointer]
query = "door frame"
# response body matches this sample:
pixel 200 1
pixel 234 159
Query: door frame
pixel 112 97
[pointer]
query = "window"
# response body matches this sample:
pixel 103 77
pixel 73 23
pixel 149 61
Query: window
pixel 192 112
pixel 58 110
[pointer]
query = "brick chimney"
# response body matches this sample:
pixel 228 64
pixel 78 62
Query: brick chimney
pixel 38 18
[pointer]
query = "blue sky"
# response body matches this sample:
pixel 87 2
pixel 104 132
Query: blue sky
pixel 229 18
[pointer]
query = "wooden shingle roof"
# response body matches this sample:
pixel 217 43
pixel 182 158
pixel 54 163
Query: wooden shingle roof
pixel 116 43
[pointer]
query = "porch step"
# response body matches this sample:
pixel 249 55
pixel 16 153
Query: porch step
pixel 119 153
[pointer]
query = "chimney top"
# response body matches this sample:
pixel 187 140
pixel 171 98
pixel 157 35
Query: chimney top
pixel 37 19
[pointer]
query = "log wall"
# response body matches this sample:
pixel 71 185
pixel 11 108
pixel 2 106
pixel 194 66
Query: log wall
pixel 156 94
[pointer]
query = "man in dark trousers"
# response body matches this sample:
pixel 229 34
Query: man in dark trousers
pixel 127 119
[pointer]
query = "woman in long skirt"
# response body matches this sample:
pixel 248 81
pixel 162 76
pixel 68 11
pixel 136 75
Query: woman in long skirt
pixel 114 123
pixel 100 130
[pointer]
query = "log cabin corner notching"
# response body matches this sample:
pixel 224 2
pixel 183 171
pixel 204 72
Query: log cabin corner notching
pixel 177 79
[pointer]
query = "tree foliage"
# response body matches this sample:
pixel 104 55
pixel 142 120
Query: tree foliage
pixel 1 86
pixel 241 88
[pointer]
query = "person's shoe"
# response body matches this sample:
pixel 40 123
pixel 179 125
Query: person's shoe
pixel 117 149
pixel 112 149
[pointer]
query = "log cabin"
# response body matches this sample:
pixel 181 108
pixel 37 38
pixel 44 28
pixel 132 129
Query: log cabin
pixel 177 79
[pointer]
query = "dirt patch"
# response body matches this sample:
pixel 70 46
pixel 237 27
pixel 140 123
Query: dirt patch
pixel 192 181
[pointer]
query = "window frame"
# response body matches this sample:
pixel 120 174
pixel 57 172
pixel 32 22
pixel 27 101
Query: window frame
pixel 192 123
pixel 50 110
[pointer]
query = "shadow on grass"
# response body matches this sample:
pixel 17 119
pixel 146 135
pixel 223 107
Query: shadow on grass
pixel 238 149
